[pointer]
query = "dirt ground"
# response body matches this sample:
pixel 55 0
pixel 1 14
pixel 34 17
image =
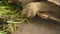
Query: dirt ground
pixel 38 26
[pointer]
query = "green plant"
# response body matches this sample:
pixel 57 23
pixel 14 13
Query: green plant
pixel 2 32
pixel 9 14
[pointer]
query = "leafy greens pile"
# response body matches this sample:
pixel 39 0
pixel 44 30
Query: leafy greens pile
pixel 9 16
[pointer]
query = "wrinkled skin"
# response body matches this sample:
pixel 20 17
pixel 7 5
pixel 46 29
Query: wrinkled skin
pixel 24 2
pixel 32 8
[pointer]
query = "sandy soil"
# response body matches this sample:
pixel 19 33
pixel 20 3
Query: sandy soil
pixel 38 26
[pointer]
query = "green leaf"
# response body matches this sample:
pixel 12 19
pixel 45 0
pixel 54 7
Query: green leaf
pixel 2 32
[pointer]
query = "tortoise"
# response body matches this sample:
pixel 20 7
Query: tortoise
pixel 44 9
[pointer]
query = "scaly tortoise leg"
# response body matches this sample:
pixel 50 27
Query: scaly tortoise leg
pixel 47 16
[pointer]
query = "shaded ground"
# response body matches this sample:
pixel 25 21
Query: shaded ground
pixel 38 26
